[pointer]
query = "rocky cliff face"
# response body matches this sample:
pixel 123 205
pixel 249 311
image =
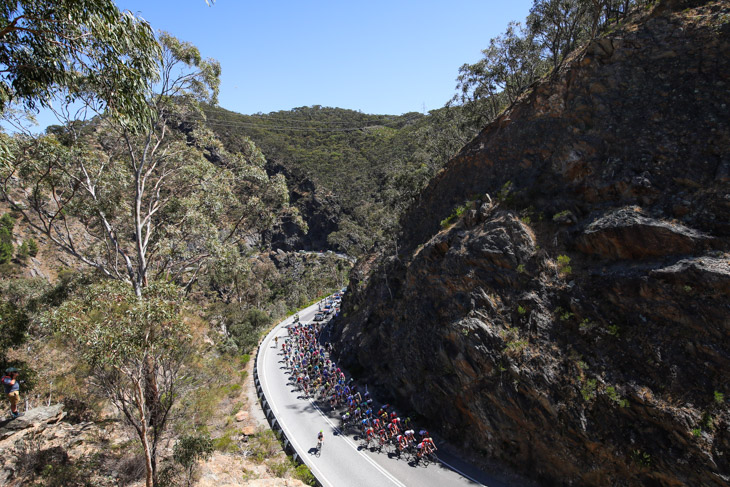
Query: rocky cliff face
pixel 319 210
pixel 572 316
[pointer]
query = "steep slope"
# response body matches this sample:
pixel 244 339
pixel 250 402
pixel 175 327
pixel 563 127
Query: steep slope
pixel 337 163
pixel 576 322
pixel 350 174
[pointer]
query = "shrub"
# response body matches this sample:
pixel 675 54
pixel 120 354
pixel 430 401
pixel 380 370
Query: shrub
pixel 560 215
pixel 564 265
pixel 7 222
pixel 233 390
pixel 641 458
pixel 245 327
pixel 32 247
pixel 504 192
pixel 303 473
pixel 588 391
pixel 719 397
pixel 264 445
pixel 614 396
pixel 23 252
pixel 280 469
pixel 458 211
pixel 226 443
pixel 707 422
pixel 521 310
pixel 189 450
pixel 585 325
pixel 6 245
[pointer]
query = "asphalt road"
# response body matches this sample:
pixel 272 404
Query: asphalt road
pixel 343 461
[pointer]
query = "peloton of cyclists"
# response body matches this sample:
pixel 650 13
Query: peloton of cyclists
pixel 313 370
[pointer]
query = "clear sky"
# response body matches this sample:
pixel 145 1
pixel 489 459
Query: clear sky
pixel 380 57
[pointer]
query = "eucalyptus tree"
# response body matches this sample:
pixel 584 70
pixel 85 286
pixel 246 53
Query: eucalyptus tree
pixel 124 339
pixel 154 198
pixel 559 26
pixel 75 48
pixel 510 64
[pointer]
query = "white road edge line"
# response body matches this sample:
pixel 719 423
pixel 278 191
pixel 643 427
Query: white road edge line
pixel 461 473
pixel 349 442
pixel 289 436
pixel 387 474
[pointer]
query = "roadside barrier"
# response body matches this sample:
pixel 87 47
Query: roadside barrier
pixel 271 418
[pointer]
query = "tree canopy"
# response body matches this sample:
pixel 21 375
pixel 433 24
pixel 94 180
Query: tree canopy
pixel 160 200
pixel 85 49
pixel 526 52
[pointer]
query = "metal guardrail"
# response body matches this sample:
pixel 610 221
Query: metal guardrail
pixel 271 418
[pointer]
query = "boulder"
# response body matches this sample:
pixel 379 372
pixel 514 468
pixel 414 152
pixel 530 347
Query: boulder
pixel 35 418
pixel 628 234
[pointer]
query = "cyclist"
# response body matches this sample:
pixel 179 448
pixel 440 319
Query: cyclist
pixel 364 425
pixel 320 440
pixel 384 416
pixel 396 425
pixel 402 443
pixel 410 436
pixel 429 445
pixel 369 432
pixel 392 430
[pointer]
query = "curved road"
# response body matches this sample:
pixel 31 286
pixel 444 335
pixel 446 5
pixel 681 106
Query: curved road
pixel 342 460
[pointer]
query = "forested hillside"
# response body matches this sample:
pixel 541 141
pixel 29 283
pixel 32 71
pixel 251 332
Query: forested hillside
pixel 349 174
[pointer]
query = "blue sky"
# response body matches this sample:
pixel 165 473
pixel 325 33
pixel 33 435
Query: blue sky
pixel 381 57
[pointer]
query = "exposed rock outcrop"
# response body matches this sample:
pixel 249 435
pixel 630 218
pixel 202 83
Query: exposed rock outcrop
pixel 579 327
pixel 627 234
